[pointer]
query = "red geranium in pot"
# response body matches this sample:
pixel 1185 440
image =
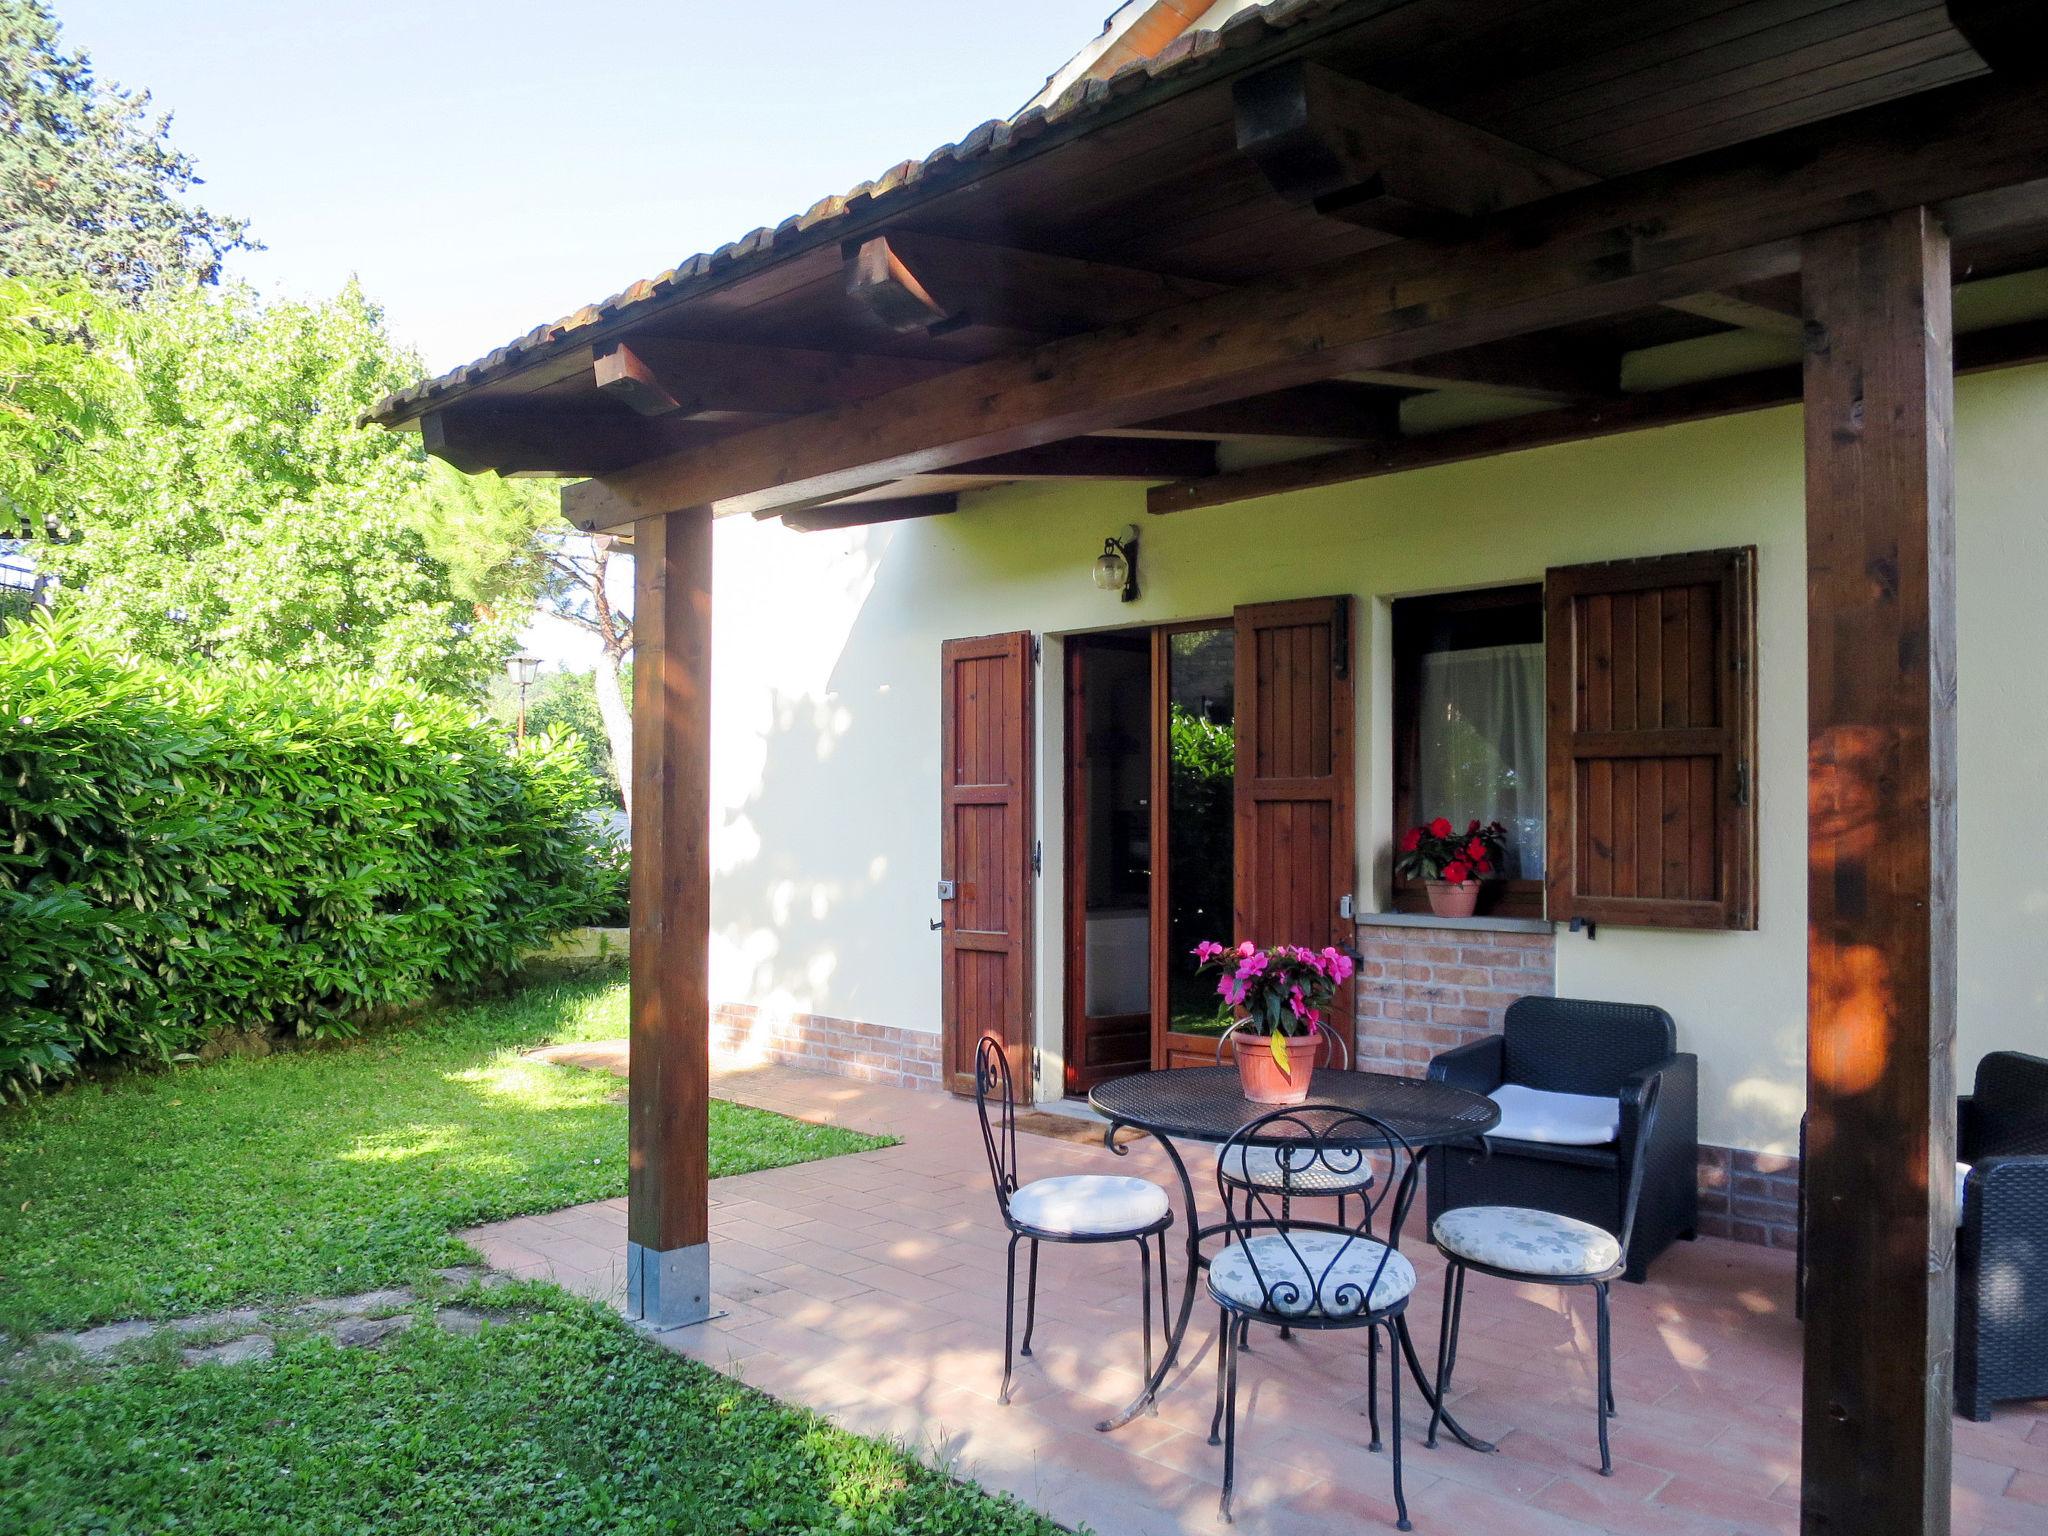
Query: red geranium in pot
pixel 1452 863
pixel 1277 997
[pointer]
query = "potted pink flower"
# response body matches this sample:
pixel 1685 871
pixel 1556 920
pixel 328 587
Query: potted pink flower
pixel 1452 863
pixel 1277 998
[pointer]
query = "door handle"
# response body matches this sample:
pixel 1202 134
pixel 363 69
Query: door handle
pixel 937 924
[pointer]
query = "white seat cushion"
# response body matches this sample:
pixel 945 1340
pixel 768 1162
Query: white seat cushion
pixel 1320 1273
pixel 1306 1172
pixel 1962 1179
pixel 1528 1242
pixel 1562 1119
pixel 1085 1204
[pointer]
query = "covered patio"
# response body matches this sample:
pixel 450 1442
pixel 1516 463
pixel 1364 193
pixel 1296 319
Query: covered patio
pixel 1314 243
pixel 870 1289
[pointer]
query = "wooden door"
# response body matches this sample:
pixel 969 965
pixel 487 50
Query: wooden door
pixel 985 793
pixel 1295 832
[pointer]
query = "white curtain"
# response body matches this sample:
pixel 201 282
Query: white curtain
pixel 1481 729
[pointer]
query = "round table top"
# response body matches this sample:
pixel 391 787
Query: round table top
pixel 1208 1104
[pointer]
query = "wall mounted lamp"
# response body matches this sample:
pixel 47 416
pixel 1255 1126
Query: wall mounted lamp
pixel 1116 568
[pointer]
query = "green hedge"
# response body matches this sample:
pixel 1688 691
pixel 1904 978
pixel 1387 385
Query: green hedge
pixel 266 851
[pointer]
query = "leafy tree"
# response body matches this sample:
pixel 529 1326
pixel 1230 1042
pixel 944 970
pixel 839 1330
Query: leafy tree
pixel 577 589
pixel 58 391
pixel 91 190
pixel 240 513
pixel 565 703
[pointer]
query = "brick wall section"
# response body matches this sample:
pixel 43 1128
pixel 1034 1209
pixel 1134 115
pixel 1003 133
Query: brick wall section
pixel 867 1053
pixel 1423 990
pixel 1752 1197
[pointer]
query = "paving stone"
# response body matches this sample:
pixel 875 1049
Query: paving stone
pixel 367 1332
pixel 459 1320
pixel 387 1300
pixel 205 1322
pixel 254 1346
pixel 100 1343
pixel 474 1274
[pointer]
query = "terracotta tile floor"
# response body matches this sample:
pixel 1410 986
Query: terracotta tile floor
pixel 871 1289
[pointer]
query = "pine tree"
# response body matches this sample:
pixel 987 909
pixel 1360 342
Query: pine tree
pixel 91 189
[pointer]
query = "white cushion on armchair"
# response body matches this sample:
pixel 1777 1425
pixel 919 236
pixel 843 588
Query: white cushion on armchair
pixel 1562 1119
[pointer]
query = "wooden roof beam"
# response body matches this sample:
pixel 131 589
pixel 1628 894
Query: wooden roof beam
pixel 623 376
pixel 2006 346
pixel 1726 218
pixel 911 283
pixel 1357 153
pixel 1148 459
pixel 1335 411
pixel 861 514
pixel 521 438
pixel 1743 312
pixel 725 381
pixel 1520 368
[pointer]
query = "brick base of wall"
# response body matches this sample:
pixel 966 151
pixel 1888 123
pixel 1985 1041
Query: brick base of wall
pixel 1424 990
pixel 1752 1197
pixel 742 1033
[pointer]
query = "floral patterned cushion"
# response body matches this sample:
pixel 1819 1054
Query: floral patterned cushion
pixel 1306 1173
pixel 1089 1204
pixel 1310 1272
pixel 1529 1242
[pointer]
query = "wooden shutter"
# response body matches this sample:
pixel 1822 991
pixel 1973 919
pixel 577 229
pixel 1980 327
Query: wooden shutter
pixel 1294 776
pixel 985 794
pixel 1651 740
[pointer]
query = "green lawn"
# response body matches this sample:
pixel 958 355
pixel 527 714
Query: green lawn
pixel 561 1422
pixel 326 1171
pixel 334 1170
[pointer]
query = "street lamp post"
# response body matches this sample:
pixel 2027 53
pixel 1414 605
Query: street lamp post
pixel 523 669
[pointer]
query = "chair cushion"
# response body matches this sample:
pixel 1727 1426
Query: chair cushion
pixel 1089 1204
pixel 1305 1174
pixel 1527 1242
pixel 1962 1179
pixel 1320 1274
pixel 1563 1119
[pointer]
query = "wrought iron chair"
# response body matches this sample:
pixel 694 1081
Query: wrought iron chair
pixel 1540 1248
pixel 1072 1208
pixel 1249 1168
pixel 1311 1275
pixel 1593 1051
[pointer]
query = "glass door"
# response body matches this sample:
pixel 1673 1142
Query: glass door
pixel 1194 760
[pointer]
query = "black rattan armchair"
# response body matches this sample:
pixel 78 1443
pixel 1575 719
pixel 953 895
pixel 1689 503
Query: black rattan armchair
pixel 2002 1243
pixel 1569 1045
pixel 2001 1234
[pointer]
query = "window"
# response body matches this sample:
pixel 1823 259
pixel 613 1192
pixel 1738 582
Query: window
pixel 1468 729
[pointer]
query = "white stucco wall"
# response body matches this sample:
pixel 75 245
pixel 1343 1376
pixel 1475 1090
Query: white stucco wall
pixel 826 846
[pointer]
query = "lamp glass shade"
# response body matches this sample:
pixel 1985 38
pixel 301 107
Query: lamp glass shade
pixel 1111 570
pixel 524 669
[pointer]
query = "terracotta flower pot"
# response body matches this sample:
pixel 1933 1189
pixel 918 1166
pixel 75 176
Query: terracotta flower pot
pixel 1448 900
pixel 1265 1080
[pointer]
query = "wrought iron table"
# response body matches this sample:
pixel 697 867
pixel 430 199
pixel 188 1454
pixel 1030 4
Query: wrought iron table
pixel 1207 1104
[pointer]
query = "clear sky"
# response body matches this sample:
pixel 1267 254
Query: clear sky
pixel 483 167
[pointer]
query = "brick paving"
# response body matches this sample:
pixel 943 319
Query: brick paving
pixel 870 1288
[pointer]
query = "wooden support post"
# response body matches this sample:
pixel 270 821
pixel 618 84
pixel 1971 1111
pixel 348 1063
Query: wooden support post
pixel 669 1087
pixel 1880 1193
